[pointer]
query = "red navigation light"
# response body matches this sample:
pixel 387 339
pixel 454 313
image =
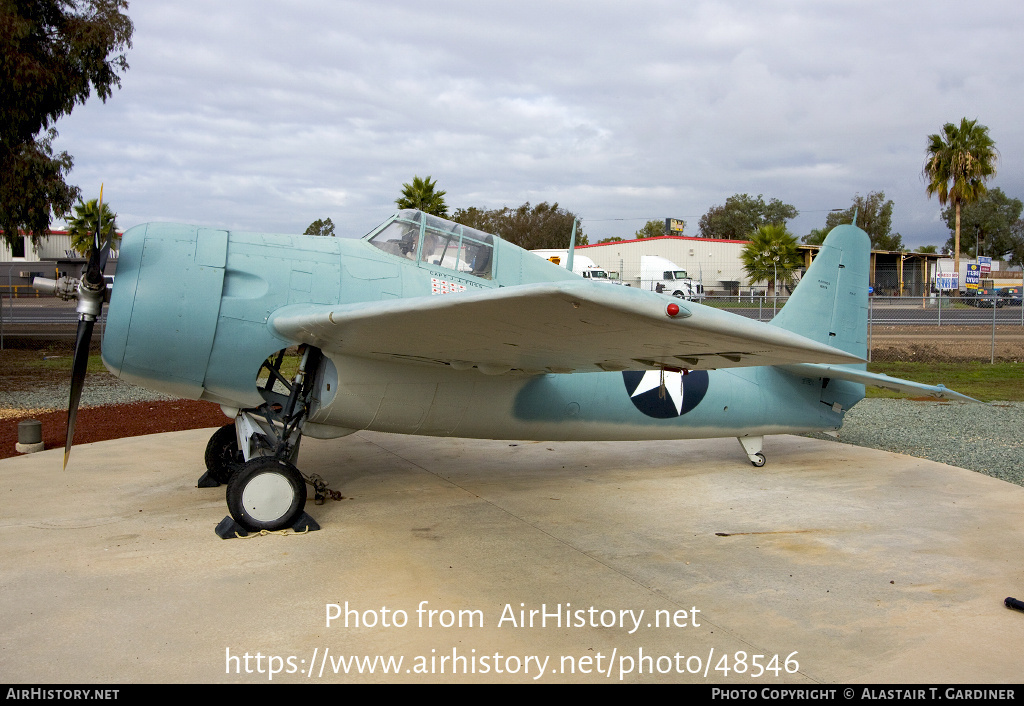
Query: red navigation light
pixel 672 309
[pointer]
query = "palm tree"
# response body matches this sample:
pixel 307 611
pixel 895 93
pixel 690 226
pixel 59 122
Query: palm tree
pixel 771 255
pixel 958 163
pixel 85 223
pixel 816 236
pixel 421 195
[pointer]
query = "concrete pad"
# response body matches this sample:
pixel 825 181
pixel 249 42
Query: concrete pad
pixel 854 565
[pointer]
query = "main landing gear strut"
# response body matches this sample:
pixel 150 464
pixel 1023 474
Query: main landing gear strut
pixel 255 456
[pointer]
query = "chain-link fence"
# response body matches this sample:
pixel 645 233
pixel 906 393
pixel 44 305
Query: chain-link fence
pixel 923 328
pixel 41 323
pixel 934 328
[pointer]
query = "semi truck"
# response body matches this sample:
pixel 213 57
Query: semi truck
pixel 660 274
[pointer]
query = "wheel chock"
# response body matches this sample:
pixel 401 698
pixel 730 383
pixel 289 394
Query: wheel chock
pixel 229 529
pixel 207 481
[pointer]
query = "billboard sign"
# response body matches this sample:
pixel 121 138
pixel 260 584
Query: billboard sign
pixel 674 226
pixel 973 278
pixel 946 281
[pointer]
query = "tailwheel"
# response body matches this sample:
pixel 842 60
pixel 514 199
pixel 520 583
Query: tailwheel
pixel 752 447
pixel 266 494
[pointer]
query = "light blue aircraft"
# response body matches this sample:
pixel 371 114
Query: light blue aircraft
pixel 429 327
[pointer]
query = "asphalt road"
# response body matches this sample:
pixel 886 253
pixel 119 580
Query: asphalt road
pixel 45 317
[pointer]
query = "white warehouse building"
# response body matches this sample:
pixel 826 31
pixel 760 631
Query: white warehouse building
pixel 51 257
pixel 714 263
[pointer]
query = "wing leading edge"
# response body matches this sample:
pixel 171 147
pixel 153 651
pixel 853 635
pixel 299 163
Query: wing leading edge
pixel 558 327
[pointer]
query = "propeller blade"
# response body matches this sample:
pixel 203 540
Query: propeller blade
pixel 78 368
pixel 104 249
pixel 92 291
pixel 105 253
pixel 93 272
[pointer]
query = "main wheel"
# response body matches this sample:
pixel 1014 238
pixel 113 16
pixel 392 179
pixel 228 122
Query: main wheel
pixel 222 454
pixel 266 494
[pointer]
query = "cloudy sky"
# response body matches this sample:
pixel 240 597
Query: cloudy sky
pixel 265 116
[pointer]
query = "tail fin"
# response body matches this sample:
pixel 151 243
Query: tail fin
pixel 830 305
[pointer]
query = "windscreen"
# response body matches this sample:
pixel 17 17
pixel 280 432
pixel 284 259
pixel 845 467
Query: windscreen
pixel 437 242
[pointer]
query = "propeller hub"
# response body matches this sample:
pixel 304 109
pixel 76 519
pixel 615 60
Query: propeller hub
pixel 91 299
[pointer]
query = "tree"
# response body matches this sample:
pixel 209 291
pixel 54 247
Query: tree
pixel 541 226
pixel 771 255
pixel 874 217
pixel 928 249
pixel 652 229
pixel 741 215
pixel 985 225
pixel 86 221
pixel 1015 256
pixel 320 227
pixel 815 237
pixel 53 55
pixel 958 162
pixel 421 195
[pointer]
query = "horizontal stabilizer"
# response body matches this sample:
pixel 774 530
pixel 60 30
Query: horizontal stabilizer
pixel 877 380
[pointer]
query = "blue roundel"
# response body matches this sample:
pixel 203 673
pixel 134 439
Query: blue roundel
pixel 678 395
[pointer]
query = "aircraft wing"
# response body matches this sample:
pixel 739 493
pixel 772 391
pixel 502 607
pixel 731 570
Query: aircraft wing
pixel 558 327
pixel 939 391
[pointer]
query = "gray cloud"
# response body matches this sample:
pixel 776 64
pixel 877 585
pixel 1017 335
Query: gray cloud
pixel 266 116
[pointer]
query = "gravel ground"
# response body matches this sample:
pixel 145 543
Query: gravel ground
pixel 987 438
pixel 98 391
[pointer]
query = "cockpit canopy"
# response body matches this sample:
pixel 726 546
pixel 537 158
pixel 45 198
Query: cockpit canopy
pixel 434 241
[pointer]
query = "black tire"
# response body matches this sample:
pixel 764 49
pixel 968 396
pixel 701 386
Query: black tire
pixel 223 457
pixel 266 494
pixel 760 460
pixel 678 295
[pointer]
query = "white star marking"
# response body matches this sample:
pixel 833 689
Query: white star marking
pixel 673 386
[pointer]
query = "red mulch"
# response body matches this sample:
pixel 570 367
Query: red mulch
pixel 115 422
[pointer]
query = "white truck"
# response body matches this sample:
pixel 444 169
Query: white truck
pixel 581 264
pixel 660 274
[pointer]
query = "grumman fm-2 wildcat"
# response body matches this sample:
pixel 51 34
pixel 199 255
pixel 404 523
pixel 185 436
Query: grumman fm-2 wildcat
pixel 429 327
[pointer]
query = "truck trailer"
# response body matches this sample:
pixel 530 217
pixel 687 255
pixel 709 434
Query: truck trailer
pixel 581 264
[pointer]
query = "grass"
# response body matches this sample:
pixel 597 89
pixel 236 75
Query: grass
pixel 44 363
pixel 62 363
pixel 982 381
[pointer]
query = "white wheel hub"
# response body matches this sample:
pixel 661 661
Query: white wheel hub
pixel 267 497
